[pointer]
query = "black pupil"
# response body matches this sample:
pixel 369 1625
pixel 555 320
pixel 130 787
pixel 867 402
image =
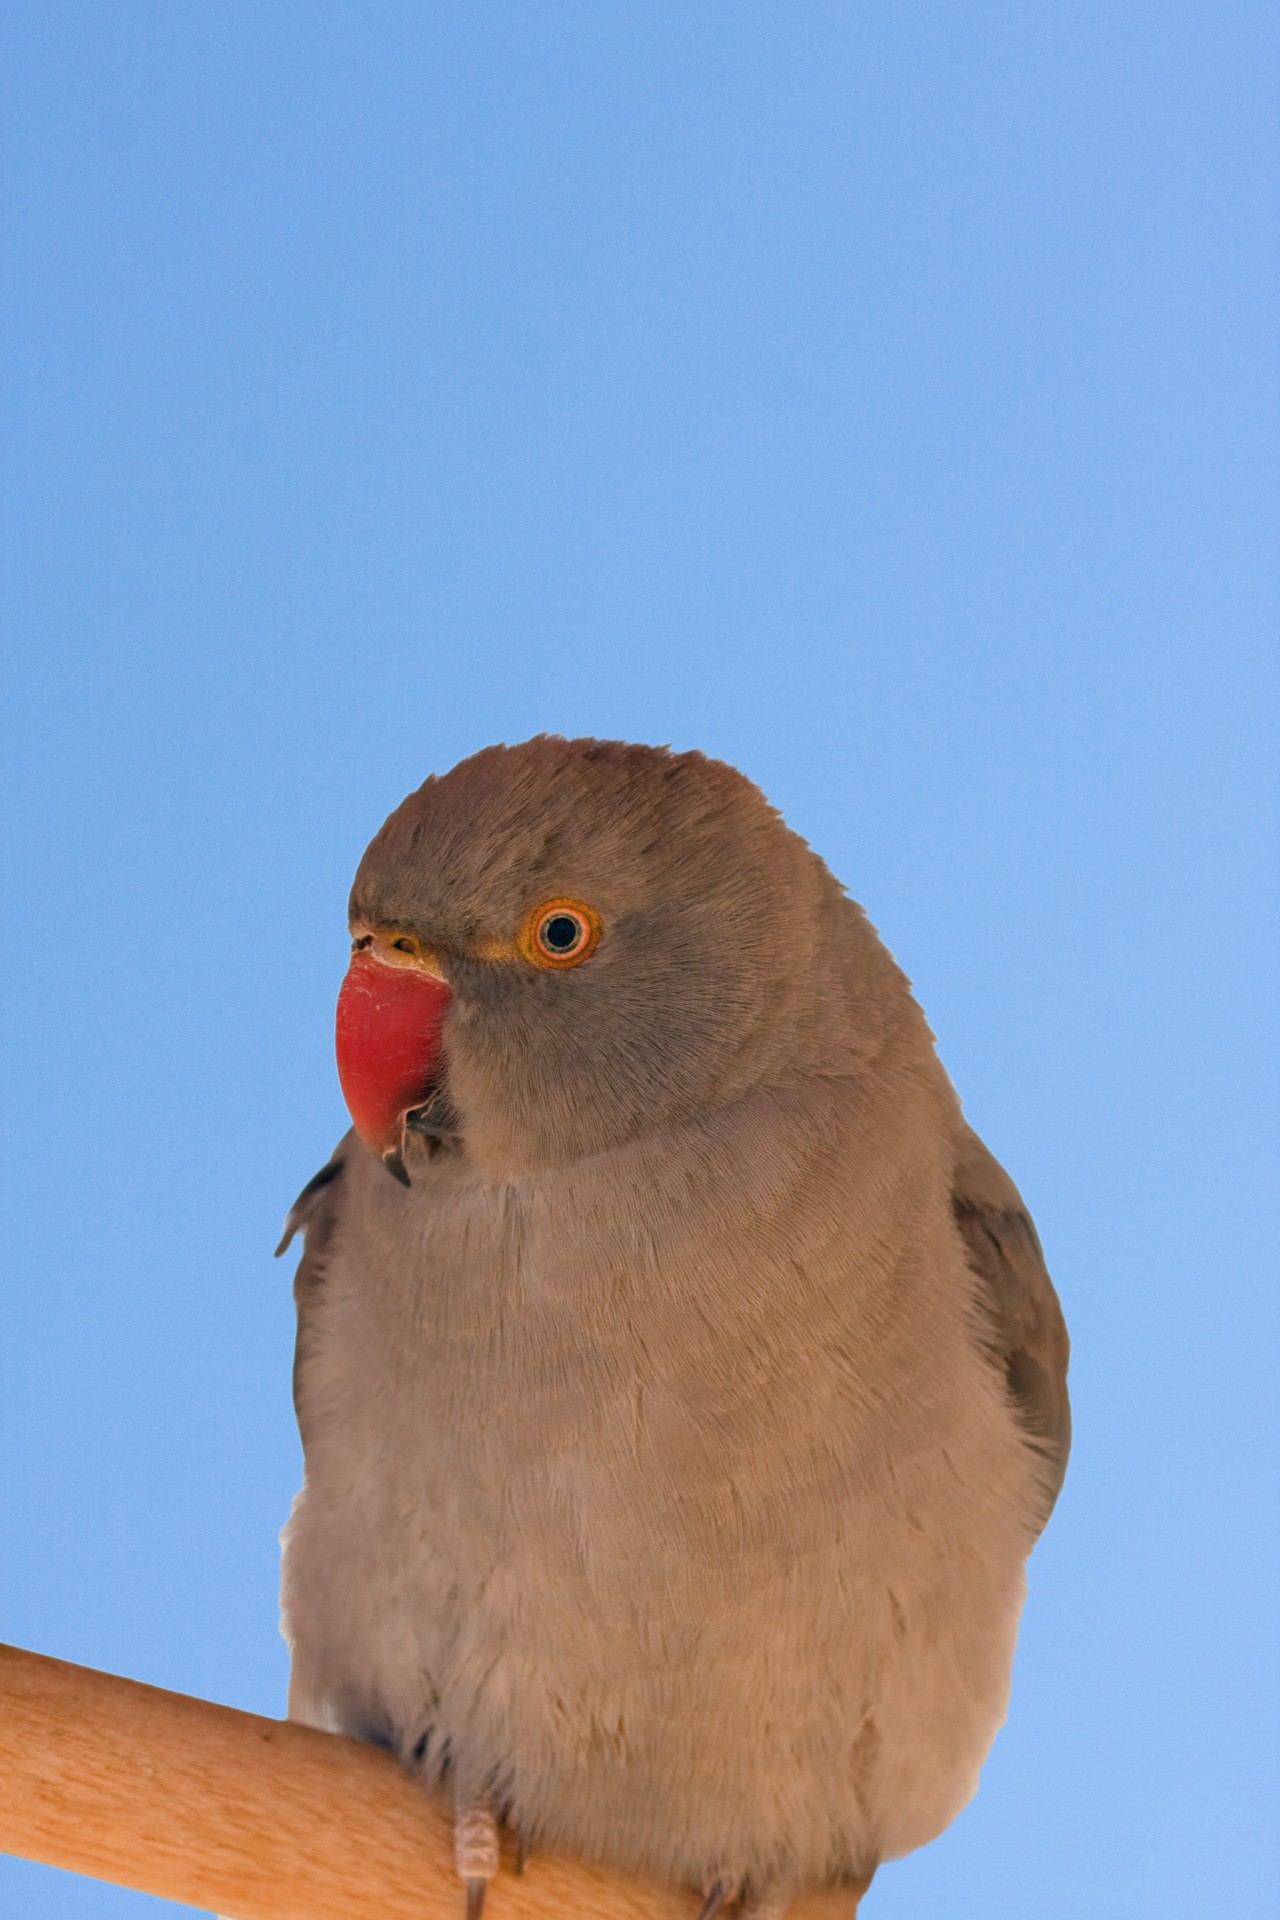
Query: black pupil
pixel 561 932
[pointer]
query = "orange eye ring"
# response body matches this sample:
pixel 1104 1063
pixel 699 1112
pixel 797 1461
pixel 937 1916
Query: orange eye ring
pixel 561 933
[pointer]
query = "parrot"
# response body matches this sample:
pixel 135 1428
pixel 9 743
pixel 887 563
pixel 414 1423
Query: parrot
pixel 680 1382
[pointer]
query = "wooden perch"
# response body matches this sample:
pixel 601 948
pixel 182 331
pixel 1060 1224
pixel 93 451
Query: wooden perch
pixel 255 1818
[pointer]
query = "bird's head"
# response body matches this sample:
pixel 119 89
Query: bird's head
pixel 567 945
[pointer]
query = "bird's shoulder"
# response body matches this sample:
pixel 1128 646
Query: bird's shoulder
pixel 1020 1320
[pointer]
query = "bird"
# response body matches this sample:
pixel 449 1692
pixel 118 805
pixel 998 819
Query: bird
pixel 680 1382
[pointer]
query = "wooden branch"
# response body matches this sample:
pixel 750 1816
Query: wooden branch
pixel 254 1818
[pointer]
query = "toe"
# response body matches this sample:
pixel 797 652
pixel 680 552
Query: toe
pixel 475 1852
pixel 718 1893
pixel 767 1900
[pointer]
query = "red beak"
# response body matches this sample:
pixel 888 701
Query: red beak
pixel 390 1021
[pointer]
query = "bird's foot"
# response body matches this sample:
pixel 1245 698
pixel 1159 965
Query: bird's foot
pixel 765 1900
pixel 750 1900
pixel 475 1852
pixel 762 1899
pixel 720 1892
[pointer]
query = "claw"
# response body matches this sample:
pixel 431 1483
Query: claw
pixel 475 1852
pixel 722 1889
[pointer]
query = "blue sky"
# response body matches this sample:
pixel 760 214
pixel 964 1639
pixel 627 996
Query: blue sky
pixel 881 397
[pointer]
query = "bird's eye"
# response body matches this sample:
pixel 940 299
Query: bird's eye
pixel 561 933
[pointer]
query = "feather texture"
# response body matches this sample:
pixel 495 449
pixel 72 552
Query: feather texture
pixel 675 1442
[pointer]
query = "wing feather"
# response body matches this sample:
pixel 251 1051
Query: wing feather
pixel 315 1214
pixel 1023 1328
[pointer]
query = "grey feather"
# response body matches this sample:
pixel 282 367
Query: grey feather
pixel 315 1214
pixel 308 1203
pixel 1024 1331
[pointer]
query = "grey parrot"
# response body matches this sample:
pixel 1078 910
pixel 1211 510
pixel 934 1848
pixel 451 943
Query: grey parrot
pixel 681 1386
